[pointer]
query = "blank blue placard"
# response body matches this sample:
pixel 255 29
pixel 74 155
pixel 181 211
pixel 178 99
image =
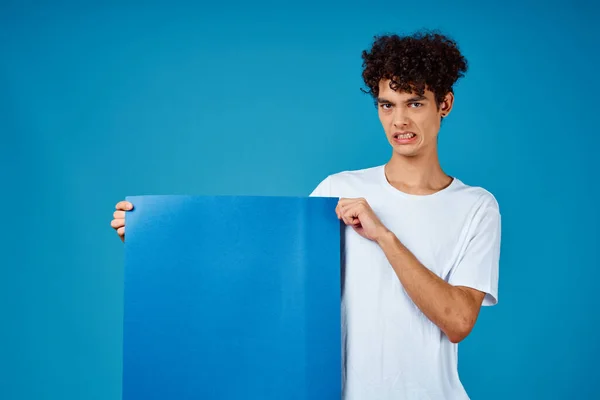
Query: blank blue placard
pixel 232 298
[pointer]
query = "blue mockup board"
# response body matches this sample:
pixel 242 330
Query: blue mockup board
pixel 232 298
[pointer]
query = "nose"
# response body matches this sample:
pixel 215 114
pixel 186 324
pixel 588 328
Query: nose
pixel 400 118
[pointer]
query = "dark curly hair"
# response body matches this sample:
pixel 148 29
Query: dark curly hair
pixel 423 60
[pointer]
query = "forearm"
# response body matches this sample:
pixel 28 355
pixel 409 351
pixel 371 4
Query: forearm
pixel 447 306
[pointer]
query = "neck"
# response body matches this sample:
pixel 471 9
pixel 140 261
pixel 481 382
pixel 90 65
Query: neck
pixel 420 174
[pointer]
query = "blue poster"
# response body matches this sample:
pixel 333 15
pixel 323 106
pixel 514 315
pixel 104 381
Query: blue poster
pixel 232 298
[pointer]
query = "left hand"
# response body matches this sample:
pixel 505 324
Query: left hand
pixel 358 214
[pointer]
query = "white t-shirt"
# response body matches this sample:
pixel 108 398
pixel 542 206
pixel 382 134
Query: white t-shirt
pixel 391 350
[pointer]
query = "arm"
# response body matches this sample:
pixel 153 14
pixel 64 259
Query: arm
pixel 454 309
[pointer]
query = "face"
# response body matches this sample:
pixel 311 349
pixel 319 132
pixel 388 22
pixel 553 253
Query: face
pixel 411 122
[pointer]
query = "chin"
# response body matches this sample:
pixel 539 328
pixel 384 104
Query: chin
pixel 406 150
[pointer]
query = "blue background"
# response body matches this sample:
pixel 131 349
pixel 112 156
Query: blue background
pixel 100 102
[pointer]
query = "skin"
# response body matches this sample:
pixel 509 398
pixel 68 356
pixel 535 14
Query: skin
pixel 413 168
pixel 118 222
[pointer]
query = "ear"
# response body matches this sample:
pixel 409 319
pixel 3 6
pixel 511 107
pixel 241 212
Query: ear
pixel 446 105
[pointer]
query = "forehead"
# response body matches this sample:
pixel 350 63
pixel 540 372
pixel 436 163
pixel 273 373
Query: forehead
pixel 387 92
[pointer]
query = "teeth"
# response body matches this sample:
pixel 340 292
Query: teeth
pixel 405 136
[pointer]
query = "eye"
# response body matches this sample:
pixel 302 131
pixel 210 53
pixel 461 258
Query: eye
pixel 416 105
pixel 386 106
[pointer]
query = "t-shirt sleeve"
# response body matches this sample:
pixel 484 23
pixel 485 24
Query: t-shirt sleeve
pixel 323 189
pixel 478 267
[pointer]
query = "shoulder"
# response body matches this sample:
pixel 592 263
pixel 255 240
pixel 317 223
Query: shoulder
pixel 479 206
pixel 476 195
pixel 335 184
pixel 355 176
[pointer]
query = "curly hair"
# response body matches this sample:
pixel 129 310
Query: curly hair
pixel 413 64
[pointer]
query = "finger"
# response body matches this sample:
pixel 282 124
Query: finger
pixel 344 202
pixel 347 221
pixel 352 214
pixel 354 209
pixel 124 205
pixel 357 203
pixel 119 214
pixel 121 232
pixel 349 218
pixel 351 221
pixel 338 211
pixel 117 223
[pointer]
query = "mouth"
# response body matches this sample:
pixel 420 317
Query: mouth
pixel 404 137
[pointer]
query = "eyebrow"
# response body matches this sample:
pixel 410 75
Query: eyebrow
pixel 416 98
pixel 381 100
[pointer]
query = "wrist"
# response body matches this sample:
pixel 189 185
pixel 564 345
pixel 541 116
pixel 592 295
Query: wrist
pixel 384 237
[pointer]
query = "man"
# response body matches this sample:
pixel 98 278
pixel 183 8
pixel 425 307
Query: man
pixel 422 247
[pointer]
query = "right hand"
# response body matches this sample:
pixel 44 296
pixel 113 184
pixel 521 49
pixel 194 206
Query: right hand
pixel 118 222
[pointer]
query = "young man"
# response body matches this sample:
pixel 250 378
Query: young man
pixel 422 247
